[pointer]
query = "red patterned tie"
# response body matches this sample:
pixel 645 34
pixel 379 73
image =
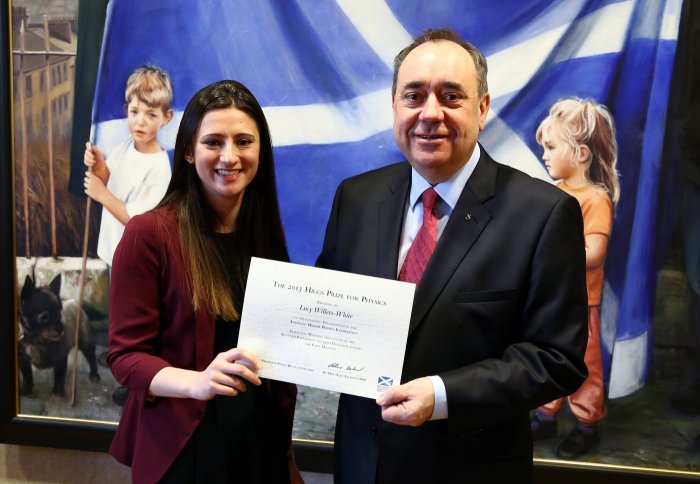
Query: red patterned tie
pixel 424 244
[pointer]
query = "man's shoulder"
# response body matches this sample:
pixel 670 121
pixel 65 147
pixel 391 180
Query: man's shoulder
pixel 522 186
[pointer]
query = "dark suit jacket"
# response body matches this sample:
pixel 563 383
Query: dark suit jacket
pixel 153 325
pixel 500 315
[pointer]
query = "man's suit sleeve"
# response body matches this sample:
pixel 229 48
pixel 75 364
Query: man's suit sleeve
pixel 325 258
pixel 545 361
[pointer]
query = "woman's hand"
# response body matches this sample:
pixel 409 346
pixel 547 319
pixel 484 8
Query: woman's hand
pixel 226 375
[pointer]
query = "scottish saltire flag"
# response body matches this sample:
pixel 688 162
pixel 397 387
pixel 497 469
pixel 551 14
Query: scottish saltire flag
pixel 384 381
pixel 322 70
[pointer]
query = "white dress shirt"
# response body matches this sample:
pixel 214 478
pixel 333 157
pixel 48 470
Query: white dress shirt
pixel 449 192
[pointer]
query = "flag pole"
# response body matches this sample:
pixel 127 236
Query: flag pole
pixel 23 134
pixel 81 289
pixel 49 122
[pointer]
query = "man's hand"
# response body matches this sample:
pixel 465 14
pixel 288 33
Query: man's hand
pixel 408 404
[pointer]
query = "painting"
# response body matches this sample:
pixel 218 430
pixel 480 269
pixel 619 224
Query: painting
pixel 323 73
pixel 38 72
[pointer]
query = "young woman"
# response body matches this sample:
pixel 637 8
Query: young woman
pixel 197 412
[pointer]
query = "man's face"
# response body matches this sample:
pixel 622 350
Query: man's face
pixel 437 110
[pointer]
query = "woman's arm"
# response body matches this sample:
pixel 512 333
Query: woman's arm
pixel 223 376
pixel 135 309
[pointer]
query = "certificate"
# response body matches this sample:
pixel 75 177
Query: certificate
pixel 326 329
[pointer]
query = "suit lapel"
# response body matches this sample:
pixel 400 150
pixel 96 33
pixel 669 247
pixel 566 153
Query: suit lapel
pixel 391 212
pixel 468 220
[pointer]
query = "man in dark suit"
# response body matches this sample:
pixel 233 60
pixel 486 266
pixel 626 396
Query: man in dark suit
pixel 499 318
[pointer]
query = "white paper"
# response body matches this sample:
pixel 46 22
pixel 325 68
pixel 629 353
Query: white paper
pixel 326 329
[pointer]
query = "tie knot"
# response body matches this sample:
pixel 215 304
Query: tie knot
pixel 429 197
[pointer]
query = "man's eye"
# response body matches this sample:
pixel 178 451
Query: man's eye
pixel 412 97
pixel 452 97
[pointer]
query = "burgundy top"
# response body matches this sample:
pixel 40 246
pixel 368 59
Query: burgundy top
pixel 153 325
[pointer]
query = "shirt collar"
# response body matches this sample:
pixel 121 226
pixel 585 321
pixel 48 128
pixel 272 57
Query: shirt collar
pixel 450 189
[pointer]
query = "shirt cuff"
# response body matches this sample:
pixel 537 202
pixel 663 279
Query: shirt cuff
pixel 440 407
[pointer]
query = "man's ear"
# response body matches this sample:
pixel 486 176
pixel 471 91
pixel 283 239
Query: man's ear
pixel 484 105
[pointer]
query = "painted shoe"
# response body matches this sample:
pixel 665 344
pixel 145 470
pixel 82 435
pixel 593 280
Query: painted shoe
pixel 581 440
pixel 543 429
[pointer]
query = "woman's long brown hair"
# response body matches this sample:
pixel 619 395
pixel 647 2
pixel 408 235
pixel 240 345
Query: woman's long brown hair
pixel 259 225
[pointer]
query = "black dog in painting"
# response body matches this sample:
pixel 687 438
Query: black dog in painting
pixel 47 332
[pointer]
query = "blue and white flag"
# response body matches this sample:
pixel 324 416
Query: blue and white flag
pixel 322 71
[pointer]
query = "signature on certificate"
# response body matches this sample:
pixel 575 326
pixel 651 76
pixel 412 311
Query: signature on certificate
pixel 342 366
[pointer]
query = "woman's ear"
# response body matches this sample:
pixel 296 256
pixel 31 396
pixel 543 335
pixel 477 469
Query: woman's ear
pixel 189 158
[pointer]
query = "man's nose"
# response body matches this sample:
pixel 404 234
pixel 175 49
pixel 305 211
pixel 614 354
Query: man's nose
pixel 432 109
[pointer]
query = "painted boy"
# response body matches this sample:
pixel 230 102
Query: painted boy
pixel 135 175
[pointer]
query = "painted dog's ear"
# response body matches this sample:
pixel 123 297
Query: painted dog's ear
pixel 55 286
pixel 27 289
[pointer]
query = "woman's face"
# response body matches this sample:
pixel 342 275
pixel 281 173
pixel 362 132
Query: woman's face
pixel 226 153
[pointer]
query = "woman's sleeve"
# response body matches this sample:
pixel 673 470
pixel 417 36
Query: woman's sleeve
pixel 134 315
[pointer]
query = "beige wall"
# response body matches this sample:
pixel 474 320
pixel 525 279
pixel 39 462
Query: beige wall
pixel 22 464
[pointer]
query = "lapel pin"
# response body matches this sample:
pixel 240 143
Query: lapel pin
pixel 468 216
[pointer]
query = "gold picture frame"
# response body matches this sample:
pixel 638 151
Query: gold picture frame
pixel 17 427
